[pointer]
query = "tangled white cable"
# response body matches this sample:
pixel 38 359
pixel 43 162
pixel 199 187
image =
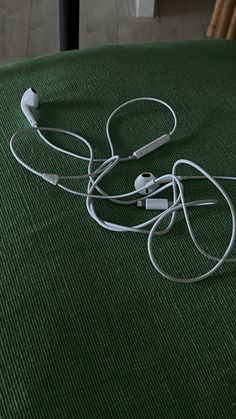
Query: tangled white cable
pixel 95 175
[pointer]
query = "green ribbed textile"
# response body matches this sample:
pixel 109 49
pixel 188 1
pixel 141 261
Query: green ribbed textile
pixel 89 329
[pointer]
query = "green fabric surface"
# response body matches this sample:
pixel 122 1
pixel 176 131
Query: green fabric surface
pixel 89 329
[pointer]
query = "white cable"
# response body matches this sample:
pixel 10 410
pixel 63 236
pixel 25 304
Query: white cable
pixel 69 153
pixel 204 178
pixel 139 99
pixel 172 181
pixel 183 205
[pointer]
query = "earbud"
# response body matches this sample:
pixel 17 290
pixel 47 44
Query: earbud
pixel 146 181
pixel 29 100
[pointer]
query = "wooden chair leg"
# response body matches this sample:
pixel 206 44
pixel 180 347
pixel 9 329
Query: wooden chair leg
pixel 231 34
pixel 225 18
pixel 214 18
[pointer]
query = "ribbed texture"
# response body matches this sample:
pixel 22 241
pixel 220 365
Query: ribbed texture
pixel 88 328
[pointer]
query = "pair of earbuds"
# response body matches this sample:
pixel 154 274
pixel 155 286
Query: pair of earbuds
pixel 146 185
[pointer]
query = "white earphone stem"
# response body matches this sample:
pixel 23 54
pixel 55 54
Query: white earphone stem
pixel 29 100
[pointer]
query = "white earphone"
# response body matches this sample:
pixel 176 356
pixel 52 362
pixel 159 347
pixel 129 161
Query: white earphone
pixel 146 184
pixel 145 180
pixel 29 100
